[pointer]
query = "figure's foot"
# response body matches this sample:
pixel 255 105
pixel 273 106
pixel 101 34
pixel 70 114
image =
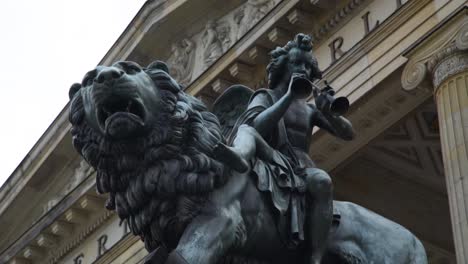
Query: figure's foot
pixel 176 258
pixel 228 156
pixel 157 256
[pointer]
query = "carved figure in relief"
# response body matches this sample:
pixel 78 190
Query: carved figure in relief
pixel 250 14
pixel 181 60
pixel 224 35
pixel 212 44
pixel 154 149
pixel 80 173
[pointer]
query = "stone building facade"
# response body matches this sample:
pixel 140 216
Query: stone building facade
pixel 403 64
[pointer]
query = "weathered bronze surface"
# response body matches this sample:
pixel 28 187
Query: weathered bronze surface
pixel 235 185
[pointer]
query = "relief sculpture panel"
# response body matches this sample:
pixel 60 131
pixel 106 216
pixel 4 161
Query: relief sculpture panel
pixel 216 38
pixel 182 59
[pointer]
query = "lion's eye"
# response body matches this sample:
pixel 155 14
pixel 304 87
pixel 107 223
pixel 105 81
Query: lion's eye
pixel 133 69
pixel 130 67
pixel 89 78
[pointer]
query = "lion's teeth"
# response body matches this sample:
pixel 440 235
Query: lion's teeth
pixel 129 106
pixel 107 113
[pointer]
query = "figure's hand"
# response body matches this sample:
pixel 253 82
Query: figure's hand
pixel 328 104
pixel 299 87
pixel 324 99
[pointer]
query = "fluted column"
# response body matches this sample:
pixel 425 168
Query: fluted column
pixel 440 62
pixel 450 79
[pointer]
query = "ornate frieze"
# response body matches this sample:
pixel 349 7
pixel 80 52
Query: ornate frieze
pixel 182 59
pixel 82 171
pixel 215 39
pixel 450 66
pixel 250 13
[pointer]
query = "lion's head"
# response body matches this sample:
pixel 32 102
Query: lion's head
pixel 150 143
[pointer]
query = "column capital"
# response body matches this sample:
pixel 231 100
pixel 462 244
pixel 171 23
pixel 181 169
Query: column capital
pixel 453 62
pixel 438 55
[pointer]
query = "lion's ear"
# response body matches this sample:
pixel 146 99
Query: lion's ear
pixel 73 89
pixel 159 65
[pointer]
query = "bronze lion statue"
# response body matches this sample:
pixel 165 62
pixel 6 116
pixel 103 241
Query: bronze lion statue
pixel 152 147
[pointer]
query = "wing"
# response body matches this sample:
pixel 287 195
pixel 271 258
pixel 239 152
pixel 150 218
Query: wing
pixel 230 105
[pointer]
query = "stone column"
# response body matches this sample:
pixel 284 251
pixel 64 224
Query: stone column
pixel 439 61
pixel 450 79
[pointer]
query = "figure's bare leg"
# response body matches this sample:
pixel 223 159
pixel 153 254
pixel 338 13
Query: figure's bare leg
pixel 157 256
pixel 320 212
pixel 230 157
pixel 247 144
pixel 175 258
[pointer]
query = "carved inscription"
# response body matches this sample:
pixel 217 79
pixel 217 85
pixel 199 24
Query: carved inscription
pixel 100 243
pixel 79 259
pixel 126 228
pixel 102 240
pixel 348 36
pixel 335 48
pixel 367 28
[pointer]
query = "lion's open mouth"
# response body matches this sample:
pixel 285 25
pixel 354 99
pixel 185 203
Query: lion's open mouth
pixel 121 117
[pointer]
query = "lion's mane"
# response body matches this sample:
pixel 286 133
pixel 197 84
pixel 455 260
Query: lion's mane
pixel 157 182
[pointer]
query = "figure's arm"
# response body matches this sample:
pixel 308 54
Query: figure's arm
pixel 335 125
pixel 206 39
pixel 188 45
pixel 268 119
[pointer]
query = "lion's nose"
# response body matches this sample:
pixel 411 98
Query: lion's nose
pixel 109 74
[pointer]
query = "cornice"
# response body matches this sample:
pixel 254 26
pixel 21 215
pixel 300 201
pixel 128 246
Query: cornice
pixel 63 222
pixel 340 17
pixel 127 41
pixel 82 235
pixel 377 36
pixel 119 248
pixel 35 158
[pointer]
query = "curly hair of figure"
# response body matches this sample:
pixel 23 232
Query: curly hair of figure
pixel 280 56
